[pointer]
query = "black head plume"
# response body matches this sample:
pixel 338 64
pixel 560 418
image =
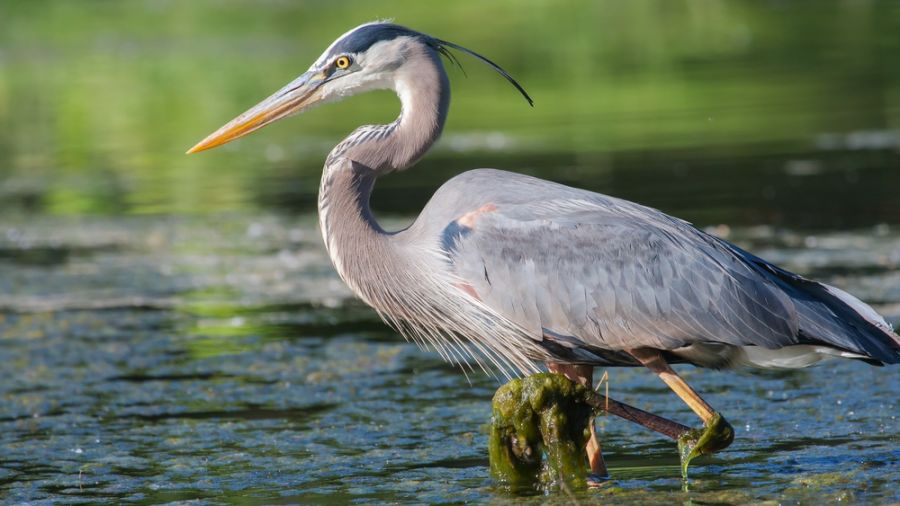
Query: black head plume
pixel 443 47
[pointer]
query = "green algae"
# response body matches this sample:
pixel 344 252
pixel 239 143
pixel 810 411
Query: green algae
pixel 540 427
pixel 545 414
pixel 714 436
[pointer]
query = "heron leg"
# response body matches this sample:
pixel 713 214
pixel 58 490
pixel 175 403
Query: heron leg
pixel 583 374
pixel 717 434
pixel 653 360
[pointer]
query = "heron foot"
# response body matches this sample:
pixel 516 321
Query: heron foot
pixel 715 435
pixel 597 481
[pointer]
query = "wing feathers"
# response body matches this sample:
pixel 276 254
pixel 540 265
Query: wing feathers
pixel 614 275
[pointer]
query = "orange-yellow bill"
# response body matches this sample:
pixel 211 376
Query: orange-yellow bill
pixel 293 98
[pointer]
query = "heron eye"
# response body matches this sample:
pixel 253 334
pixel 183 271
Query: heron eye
pixel 342 62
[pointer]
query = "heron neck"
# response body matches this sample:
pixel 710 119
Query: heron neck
pixel 357 245
pixel 352 236
pixel 424 92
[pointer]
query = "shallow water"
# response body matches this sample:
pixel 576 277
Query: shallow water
pixel 150 360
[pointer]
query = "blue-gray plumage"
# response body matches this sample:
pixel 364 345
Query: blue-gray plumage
pixel 508 269
pixel 594 275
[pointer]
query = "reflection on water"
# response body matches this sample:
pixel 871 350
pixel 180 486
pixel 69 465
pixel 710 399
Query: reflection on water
pixel 171 329
pixel 194 358
pixel 99 101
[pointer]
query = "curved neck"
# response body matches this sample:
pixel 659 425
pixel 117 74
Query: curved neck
pixel 424 91
pixel 352 236
pixel 360 249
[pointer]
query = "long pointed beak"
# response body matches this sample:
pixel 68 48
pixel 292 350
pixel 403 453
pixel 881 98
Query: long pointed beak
pixel 297 96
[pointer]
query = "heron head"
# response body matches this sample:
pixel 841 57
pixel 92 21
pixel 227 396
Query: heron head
pixel 368 57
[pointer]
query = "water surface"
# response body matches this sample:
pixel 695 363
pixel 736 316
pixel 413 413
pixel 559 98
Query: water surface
pixel 150 360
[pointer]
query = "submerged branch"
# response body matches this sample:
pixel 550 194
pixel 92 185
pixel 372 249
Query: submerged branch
pixel 672 430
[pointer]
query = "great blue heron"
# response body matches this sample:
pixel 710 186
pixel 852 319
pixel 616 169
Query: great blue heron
pixel 507 270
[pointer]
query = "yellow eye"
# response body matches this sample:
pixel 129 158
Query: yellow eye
pixel 342 62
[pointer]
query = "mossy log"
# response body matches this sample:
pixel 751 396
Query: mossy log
pixel 547 414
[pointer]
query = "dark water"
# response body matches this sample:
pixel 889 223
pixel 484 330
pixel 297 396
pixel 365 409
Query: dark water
pixel 172 330
pixel 150 360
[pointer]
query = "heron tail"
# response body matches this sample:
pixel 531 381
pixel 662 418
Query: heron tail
pixel 832 317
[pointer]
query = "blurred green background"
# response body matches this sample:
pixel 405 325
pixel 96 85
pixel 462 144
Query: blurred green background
pixel 720 111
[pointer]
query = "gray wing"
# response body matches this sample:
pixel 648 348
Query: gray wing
pixel 592 274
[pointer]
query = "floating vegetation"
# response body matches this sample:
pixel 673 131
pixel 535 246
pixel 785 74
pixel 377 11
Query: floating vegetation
pixel 541 424
pixel 715 436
